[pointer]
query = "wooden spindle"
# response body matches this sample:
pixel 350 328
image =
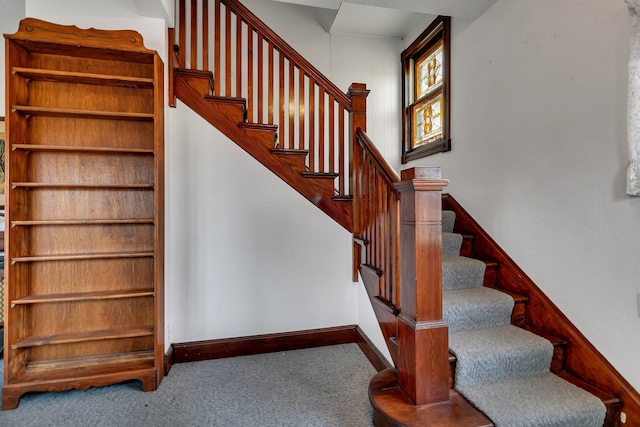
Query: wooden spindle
pixel 380 187
pixel 205 35
pixel 386 263
pixel 216 46
pixel 341 151
pixel 172 63
pixel 182 33
pixel 312 123
pixel 372 213
pixel 193 60
pixel 301 118
pixel 332 136
pixel 260 73
pixel 270 88
pixel 250 73
pixel 281 121
pixel 395 223
pixel 292 108
pixel 227 51
pixel 238 93
pixel 321 137
pixel 375 221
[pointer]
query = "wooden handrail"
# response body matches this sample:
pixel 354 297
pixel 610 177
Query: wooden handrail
pixel 368 146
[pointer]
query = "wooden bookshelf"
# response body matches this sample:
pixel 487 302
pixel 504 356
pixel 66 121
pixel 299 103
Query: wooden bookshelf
pixel 85 200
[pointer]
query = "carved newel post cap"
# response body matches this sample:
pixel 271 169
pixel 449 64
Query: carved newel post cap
pixel 421 173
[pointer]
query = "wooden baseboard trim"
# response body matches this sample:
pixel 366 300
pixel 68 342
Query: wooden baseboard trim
pixel 371 351
pixel 258 344
pixel 168 360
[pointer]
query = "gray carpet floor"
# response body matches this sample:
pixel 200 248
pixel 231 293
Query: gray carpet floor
pixel 324 386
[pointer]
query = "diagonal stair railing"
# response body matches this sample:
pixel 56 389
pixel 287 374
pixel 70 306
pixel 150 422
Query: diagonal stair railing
pixel 249 61
pixel 398 253
pixel 376 224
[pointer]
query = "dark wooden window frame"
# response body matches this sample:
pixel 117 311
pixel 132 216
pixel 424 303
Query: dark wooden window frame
pixel 438 30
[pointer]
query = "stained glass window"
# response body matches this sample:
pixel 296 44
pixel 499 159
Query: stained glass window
pixel 427 120
pixel 426 92
pixel 429 71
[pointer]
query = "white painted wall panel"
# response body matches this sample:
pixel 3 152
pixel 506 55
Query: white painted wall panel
pixel 248 254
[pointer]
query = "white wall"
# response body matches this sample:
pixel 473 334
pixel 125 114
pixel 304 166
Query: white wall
pixel 12 12
pixel 104 15
pixel 539 156
pixel 248 254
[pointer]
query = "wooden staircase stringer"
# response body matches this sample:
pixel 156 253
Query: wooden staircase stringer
pixel 580 358
pixel 386 314
pixel 188 87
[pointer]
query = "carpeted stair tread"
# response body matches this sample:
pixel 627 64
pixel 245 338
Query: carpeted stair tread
pixel 462 272
pixel 448 220
pixel 451 243
pixel 504 370
pixel 494 354
pixel 542 400
pixel 474 308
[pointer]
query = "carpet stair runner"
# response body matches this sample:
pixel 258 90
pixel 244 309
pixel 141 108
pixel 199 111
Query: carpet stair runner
pixel 502 369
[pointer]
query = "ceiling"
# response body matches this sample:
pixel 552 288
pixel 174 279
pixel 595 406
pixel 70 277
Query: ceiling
pixel 387 18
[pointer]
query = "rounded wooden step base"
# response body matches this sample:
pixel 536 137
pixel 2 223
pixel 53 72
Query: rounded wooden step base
pixel 392 408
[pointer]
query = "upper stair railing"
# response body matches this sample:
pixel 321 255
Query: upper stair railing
pixel 248 60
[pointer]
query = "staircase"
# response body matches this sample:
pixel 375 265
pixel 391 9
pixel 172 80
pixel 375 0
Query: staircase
pixel 265 97
pixel 229 115
pixel 498 363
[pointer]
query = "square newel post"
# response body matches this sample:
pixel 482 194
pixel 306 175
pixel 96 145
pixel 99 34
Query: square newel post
pixel 423 343
pixel 358 93
pixel 358 119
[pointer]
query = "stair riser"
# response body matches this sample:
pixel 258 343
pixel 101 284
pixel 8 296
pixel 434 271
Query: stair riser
pixel 297 161
pixel 265 137
pixel 202 82
pixel 557 363
pixel 466 248
pixel 235 111
pixel 490 276
pixel 518 316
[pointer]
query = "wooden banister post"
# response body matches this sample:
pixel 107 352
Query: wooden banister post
pixel 172 60
pixel 358 119
pixel 423 346
pixel 358 93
